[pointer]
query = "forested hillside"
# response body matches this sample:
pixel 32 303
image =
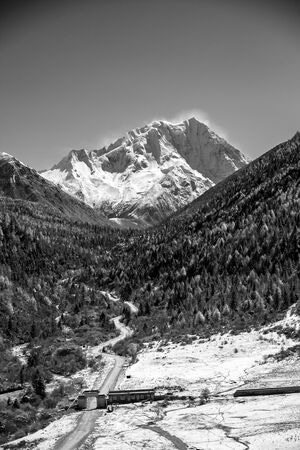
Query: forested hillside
pixel 41 255
pixel 46 236
pixel 230 258
pixel 45 304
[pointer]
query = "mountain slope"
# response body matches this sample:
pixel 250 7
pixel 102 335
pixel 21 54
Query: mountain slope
pixel 20 182
pixel 229 259
pixel 259 172
pixel 151 172
pixel 46 236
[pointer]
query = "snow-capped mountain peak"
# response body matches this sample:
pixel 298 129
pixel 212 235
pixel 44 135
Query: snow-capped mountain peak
pixel 150 172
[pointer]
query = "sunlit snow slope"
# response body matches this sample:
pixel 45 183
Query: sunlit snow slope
pixel 149 173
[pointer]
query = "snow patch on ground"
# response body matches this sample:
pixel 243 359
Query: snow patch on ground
pixel 133 308
pixel 110 296
pixel 291 321
pixel 261 422
pixel 223 364
pixel 218 363
pixel 124 429
pixel 19 352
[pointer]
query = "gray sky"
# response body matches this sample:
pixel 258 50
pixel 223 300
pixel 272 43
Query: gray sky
pixel 77 73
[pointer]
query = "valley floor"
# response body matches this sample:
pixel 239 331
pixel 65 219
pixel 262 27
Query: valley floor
pixel 222 364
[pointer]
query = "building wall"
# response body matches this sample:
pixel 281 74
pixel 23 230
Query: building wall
pixel 130 397
pixel 82 402
pixel 101 401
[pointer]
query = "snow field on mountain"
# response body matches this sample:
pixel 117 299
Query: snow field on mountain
pixel 98 185
pixel 149 173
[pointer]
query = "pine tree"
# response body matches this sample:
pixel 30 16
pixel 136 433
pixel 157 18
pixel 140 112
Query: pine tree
pixel 199 318
pixel 33 330
pixel 38 384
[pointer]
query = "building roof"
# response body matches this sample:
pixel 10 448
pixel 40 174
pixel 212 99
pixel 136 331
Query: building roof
pixel 132 391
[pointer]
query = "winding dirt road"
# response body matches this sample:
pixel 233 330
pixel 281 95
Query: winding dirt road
pixel 87 419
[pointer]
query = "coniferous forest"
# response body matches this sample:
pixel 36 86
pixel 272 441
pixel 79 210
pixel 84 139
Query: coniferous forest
pixel 233 254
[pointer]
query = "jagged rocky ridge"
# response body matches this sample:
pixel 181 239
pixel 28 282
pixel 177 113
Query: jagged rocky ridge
pixel 150 173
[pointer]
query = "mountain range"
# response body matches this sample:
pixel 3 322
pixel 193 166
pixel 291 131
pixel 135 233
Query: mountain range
pixel 149 173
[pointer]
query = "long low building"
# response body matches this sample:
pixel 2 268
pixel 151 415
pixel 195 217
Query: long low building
pixel 130 396
pixel 267 391
pixel 92 399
